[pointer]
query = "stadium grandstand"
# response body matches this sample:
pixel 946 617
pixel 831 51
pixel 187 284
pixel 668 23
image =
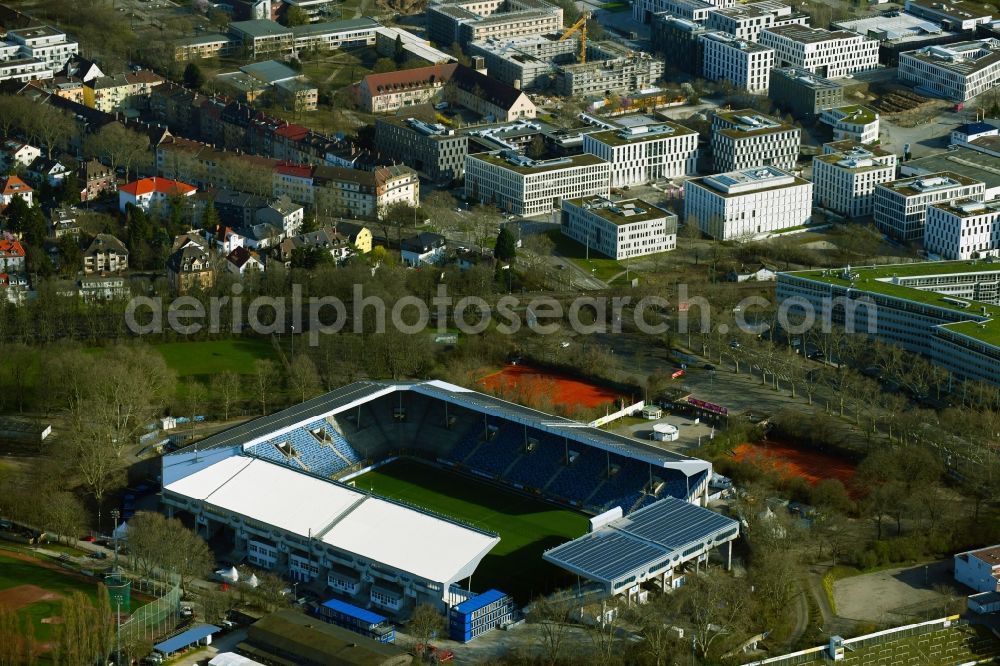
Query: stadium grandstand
pixel 278 490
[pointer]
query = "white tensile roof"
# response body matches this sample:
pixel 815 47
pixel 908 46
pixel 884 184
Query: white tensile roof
pixel 432 548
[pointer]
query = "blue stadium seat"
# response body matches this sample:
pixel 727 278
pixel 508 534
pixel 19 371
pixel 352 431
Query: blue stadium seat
pixel 495 456
pixel 578 480
pixel 536 469
pixel 337 441
pixel 624 488
pixel 466 444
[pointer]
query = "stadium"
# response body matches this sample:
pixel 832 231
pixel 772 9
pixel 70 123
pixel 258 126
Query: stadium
pixel 393 494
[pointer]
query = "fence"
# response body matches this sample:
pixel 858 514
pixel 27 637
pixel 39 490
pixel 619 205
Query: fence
pixel 625 411
pixel 156 618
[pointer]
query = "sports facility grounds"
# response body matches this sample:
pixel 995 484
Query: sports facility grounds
pixel 529 385
pixel 526 526
pixel 34 589
pixel 791 461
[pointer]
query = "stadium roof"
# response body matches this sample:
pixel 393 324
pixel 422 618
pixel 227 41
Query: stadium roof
pixel 186 638
pixel 258 430
pixel 340 516
pixel 636 547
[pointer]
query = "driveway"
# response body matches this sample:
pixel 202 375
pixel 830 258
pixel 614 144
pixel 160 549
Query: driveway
pixel 896 595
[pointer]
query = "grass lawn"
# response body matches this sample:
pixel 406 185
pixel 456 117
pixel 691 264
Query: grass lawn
pixel 15 572
pixel 526 526
pixel 204 359
pixel 601 267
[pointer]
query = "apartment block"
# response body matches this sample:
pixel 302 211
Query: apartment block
pixel 619 229
pixel 464 21
pixel 901 205
pixel 844 182
pixel 747 204
pixel 523 186
pixel 681 39
pixel 957 72
pixel 436 152
pixel 262 38
pixel 746 65
pixel 211 45
pixel 828 54
pixel 747 21
pixel 803 93
pixel 963 229
pixel 642 153
pixel 744 138
pixel 44 43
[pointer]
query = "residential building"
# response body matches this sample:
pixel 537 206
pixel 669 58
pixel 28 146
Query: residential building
pixel 11 187
pixel 464 21
pixel 96 288
pixel 803 93
pixel 901 205
pixel 24 70
pixel 121 92
pixel 190 267
pixel 852 123
pixel 610 68
pixel 147 192
pixel 105 254
pixel 362 193
pixel 382 93
pixel 282 213
pixel 523 186
pixel 63 223
pixel 747 204
pixel 328 36
pixel 619 229
pixel 747 65
pixel 48 170
pixel 422 248
pixel 81 69
pixel 746 21
pixel 945 311
pixel 223 239
pixel 236 209
pixel 744 138
pixel 963 229
pixel 641 153
pixel 979 569
pixel 316 10
pixel 956 72
pixel 844 182
pixel 433 150
pixel 43 43
pixel 357 235
pixel 829 54
pixel 95 178
pixel 262 38
pixel 12 256
pixel 681 39
pixel 241 261
pixel 16 154
pixel 205 45
pixel 958 15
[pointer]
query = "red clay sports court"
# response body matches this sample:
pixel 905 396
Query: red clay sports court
pixel 525 382
pixel 788 460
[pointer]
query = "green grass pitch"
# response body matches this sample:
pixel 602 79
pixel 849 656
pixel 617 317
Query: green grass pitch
pixel 15 572
pixel 527 527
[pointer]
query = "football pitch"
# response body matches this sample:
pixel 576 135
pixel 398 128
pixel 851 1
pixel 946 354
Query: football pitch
pixel 527 527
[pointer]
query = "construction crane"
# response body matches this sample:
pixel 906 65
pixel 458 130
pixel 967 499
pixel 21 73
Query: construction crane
pixel 580 26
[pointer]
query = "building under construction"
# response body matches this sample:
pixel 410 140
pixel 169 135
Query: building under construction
pixel 548 63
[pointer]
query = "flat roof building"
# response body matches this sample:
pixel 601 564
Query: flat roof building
pixel 852 123
pixel 744 138
pixel 641 153
pixel 898 31
pixel 956 72
pixel 844 182
pixel 644 11
pixel 829 54
pixel 747 204
pixel 523 186
pixel 901 205
pixel 681 39
pixel 464 21
pixel 434 151
pixel 745 64
pixel 963 229
pixel 802 92
pixel 619 229
pixel 610 67
pixel 958 15
pixel 970 161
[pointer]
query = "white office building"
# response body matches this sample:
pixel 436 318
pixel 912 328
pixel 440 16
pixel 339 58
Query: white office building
pixel 964 229
pixel 746 64
pixel 747 204
pixel 44 43
pixel 901 205
pixel 747 21
pixel 619 229
pixel 844 182
pixel 523 186
pixel 957 72
pixel 852 123
pixel 832 55
pixel 946 311
pixel 745 138
pixel 643 10
pixel 639 154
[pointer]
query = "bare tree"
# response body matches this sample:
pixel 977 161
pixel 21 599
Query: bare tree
pixel 265 376
pixel 303 377
pixel 226 389
pixel 553 619
pixel 425 623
